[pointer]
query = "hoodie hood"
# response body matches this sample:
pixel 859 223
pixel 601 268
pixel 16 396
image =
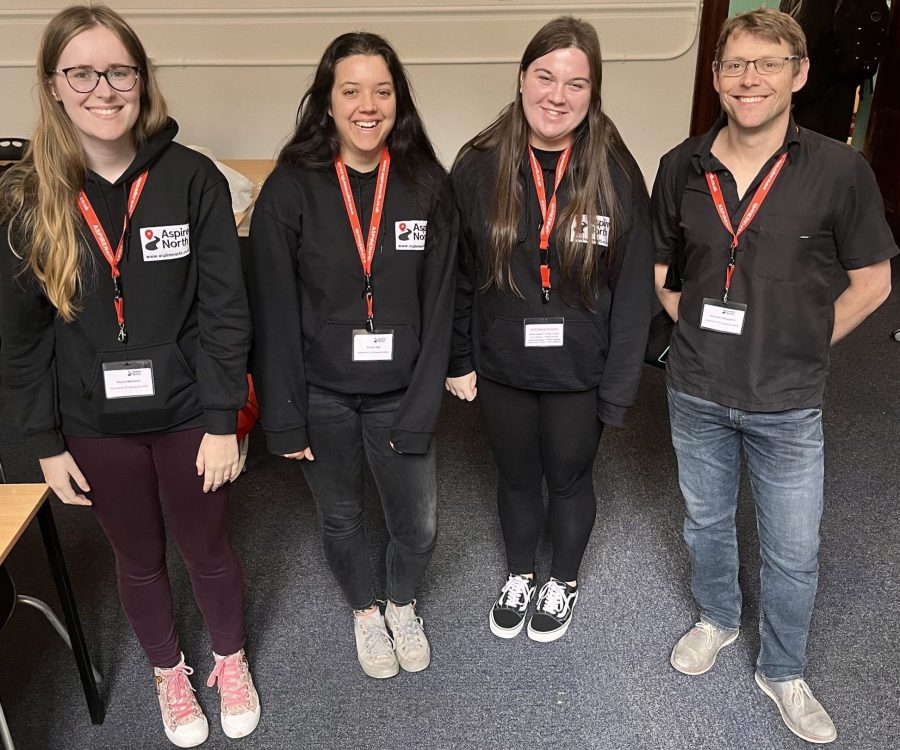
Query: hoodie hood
pixel 147 153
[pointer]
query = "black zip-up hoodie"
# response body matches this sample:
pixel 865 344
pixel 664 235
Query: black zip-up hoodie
pixel 185 310
pixel 602 348
pixel 305 282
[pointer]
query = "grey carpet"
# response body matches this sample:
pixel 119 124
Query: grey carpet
pixel 606 685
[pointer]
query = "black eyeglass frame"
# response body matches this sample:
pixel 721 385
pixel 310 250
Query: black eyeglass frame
pixel 99 74
pixel 748 63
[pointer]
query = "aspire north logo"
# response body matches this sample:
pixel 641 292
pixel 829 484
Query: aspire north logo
pixel 166 242
pixel 410 234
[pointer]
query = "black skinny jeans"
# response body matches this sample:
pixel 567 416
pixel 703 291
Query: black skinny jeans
pixel 536 436
pixel 344 430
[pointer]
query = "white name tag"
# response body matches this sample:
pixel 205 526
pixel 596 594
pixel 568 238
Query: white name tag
pixel 724 317
pixel 544 332
pixel 373 347
pixel 593 229
pixel 410 234
pixel 128 379
pixel 166 243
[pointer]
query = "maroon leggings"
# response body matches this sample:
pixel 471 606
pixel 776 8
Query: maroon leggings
pixel 133 479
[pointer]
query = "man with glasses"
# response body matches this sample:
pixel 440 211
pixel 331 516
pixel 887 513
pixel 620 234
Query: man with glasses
pixel 758 216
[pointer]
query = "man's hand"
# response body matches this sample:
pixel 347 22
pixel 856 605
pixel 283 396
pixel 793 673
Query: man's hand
pixel 59 471
pixel 306 453
pixel 463 387
pixel 217 460
pixel 667 298
pixel 869 287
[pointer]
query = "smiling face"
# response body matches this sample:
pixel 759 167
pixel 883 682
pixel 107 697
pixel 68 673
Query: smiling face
pixel 556 96
pixel 756 103
pixel 363 107
pixel 104 118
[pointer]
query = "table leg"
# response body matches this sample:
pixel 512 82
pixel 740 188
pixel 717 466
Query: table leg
pixel 73 623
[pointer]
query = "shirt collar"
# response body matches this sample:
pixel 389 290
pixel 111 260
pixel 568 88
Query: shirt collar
pixel 702 159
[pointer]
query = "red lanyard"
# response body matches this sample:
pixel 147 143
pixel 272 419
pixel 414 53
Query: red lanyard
pixel 548 213
pixel 749 215
pixel 113 258
pixel 367 250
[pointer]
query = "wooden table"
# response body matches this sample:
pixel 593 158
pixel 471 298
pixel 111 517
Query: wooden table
pixel 19 504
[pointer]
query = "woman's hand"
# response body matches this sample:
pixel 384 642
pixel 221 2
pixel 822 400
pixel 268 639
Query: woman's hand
pixel 59 471
pixel 306 453
pixel 217 460
pixel 463 387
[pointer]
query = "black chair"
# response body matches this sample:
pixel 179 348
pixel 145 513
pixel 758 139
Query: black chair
pixel 12 149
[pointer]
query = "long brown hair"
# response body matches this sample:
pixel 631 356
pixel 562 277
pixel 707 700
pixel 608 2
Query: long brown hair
pixel 37 196
pixel 595 142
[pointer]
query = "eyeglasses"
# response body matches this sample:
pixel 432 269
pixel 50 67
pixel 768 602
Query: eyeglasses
pixel 84 80
pixel 765 66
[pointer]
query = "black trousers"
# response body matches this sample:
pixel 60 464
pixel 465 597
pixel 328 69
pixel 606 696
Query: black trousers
pixel 542 436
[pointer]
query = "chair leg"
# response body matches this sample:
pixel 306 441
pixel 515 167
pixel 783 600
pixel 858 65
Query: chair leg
pixel 42 606
pixel 4 732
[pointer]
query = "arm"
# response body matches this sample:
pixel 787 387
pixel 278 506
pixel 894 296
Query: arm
pixel 668 299
pixel 416 419
pixel 868 288
pixel 629 321
pixel 272 277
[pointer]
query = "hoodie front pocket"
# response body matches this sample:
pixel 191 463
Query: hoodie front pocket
pixel 171 399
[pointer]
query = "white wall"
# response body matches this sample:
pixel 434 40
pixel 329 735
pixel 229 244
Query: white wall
pixel 233 72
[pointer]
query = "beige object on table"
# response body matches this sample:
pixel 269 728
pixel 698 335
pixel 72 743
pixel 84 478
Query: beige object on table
pixel 256 170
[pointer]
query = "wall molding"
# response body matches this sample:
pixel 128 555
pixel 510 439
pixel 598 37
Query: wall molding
pixel 278 32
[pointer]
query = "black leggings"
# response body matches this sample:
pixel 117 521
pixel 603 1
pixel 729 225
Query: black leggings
pixel 539 435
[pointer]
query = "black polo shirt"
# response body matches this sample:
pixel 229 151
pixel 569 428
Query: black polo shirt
pixel 824 215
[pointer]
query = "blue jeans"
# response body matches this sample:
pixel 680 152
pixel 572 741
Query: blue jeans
pixel 785 459
pixel 344 430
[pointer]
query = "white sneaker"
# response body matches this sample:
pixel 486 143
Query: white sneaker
pixel 374 647
pixel 410 643
pixel 238 698
pixel 183 719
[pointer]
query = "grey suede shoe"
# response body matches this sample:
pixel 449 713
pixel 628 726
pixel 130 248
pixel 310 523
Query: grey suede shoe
pixel 696 651
pixel 802 713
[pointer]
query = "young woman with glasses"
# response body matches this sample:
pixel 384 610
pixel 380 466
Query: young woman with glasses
pixel 125 330
pixel 350 278
pixel 553 307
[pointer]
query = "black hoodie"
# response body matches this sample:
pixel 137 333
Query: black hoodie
pixel 185 310
pixel 603 347
pixel 305 282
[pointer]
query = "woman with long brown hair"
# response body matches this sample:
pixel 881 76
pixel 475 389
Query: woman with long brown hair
pixel 553 306
pixel 125 333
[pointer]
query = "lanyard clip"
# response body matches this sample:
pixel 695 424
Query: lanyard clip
pixel 122 334
pixel 117 287
pixel 370 325
pixel 545 296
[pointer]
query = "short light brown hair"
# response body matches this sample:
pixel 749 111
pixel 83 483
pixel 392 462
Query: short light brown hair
pixel 769 24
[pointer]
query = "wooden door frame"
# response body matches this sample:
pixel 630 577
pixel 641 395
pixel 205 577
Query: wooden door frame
pixel 705 108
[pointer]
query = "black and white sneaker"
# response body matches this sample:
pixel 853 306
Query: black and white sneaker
pixel 551 619
pixel 508 614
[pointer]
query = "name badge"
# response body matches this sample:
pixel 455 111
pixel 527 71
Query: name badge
pixel 128 379
pixel 544 332
pixel 724 317
pixel 373 347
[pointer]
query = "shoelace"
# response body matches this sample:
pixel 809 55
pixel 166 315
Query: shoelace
pixel 799 693
pixel 553 599
pixel 376 640
pixel 515 592
pixel 179 693
pixel 709 631
pixel 233 687
pixel 408 628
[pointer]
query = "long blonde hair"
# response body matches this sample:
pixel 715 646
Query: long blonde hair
pixel 37 195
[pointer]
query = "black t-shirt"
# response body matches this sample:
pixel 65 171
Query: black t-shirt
pixel 823 216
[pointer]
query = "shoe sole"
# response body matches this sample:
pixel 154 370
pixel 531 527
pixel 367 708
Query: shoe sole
pixel 695 673
pixel 818 741
pixel 542 637
pixel 381 674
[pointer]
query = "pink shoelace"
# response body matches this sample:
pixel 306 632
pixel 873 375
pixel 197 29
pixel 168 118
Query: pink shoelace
pixel 179 693
pixel 232 685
